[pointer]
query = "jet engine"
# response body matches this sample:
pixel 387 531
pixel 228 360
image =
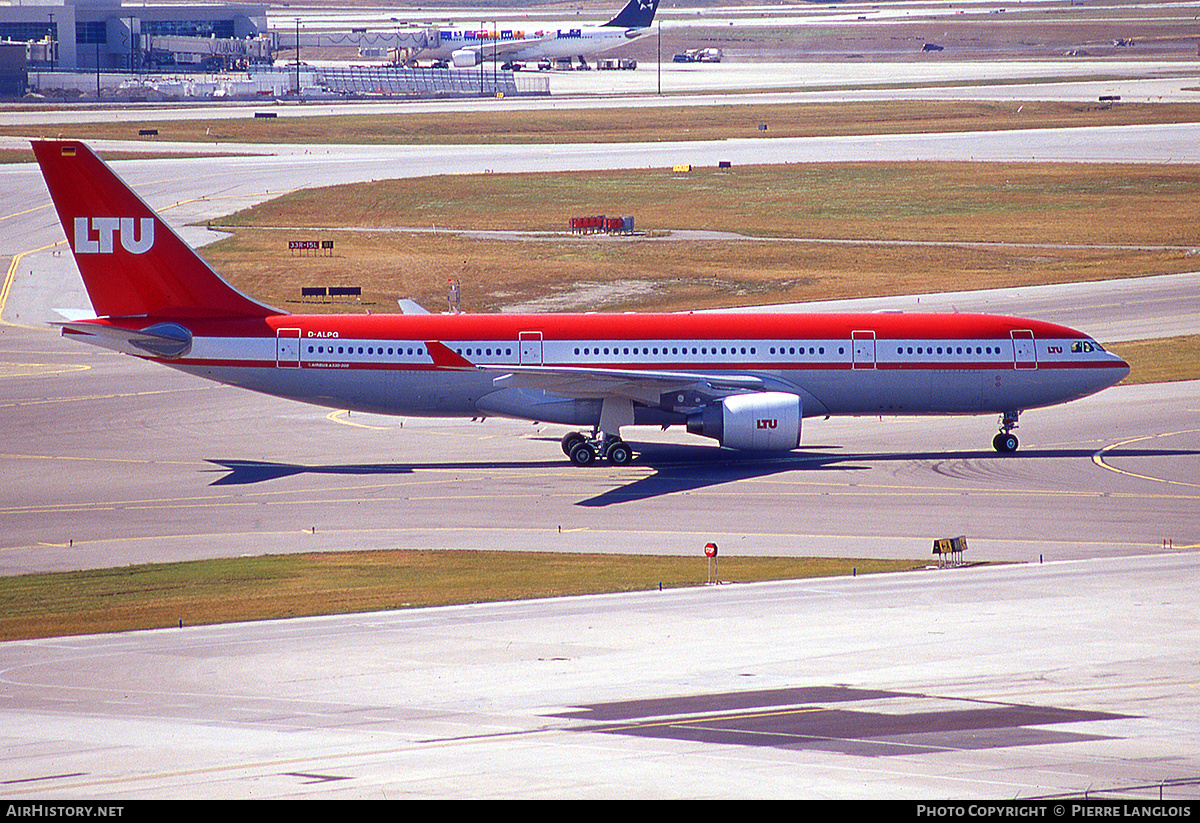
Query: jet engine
pixel 465 58
pixel 762 421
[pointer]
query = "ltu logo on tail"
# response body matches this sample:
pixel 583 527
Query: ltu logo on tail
pixel 96 235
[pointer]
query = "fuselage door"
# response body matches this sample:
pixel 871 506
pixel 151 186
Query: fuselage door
pixel 287 348
pixel 530 348
pixel 1024 350
pixel 863 347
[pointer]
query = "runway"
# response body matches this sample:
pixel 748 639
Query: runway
pixel 1069 669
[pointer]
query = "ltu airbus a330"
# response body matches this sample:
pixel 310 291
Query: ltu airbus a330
pixel 746 380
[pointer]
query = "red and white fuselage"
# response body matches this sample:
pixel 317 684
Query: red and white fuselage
pixel 745 379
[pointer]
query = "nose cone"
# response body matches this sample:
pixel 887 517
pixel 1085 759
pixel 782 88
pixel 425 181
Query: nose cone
pixel 1113 370
pixel 1121 370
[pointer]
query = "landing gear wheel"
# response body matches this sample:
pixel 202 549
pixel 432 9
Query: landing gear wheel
pixel 618 453
pixel 1005 442
pixel 570 441
pixel 583 454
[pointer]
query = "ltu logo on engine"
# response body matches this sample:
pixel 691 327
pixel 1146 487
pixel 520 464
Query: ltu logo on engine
pixel 767 423
pixel 96 235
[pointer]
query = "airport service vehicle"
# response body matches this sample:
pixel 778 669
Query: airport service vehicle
pixel 513 47
pixel 746 380
pixel 699 56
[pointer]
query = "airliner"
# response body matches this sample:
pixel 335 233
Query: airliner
pixel 744 380
pixel 512 47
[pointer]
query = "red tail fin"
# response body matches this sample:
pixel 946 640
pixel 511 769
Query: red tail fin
pixel 132 263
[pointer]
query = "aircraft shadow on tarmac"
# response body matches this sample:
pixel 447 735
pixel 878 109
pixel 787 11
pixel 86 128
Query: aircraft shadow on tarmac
pixel 681 468
pixel 689 468
pixel 699 466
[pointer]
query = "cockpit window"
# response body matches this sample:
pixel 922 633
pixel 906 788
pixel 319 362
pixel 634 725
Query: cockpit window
pixel 1086 346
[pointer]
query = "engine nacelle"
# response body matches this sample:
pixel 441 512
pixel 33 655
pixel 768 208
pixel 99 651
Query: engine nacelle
pixel 763 421
pixel 465 58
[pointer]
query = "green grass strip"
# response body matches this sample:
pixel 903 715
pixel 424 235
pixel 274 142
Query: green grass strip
pixel 295 585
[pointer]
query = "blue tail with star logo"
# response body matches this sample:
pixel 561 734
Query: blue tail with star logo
pixel 638 14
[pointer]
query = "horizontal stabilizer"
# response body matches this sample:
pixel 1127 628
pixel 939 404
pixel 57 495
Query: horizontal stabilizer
pixel 76 314
pixel 166 340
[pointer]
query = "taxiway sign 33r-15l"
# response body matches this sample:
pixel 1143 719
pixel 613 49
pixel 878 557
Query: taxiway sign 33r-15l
pixel 747 380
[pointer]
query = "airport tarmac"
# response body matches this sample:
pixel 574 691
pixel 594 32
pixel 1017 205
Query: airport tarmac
pixel 1112 311
pixel 113 461
pixel 655 85
pixel 724 84
pixel 1013 682
pixel 1070 670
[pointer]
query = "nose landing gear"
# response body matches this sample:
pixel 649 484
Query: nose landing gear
pixel 1006 442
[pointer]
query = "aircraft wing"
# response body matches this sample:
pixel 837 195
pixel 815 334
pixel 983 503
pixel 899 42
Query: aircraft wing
pixel 503 48
pixel 410 306
pixel 645 387
pixel 583 382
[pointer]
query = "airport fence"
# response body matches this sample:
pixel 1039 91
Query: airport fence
pixel 388 81
pixel 314 82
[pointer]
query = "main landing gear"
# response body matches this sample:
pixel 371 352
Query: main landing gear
pixel 585 451
pixel 1006 442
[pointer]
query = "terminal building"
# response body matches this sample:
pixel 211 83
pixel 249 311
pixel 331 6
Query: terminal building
pixel 104 35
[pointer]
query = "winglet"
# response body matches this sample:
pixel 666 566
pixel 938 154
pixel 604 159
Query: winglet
pixel 410 306
pixel 445 358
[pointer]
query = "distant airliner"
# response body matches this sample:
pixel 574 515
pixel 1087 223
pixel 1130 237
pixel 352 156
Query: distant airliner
pixel 470 47
pixel 746 380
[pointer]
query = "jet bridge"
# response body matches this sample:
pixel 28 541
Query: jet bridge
pixel 401 42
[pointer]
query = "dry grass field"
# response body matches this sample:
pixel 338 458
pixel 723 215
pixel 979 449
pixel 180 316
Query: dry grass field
pixel 717 238
pixel 634 124
pixel 1160 361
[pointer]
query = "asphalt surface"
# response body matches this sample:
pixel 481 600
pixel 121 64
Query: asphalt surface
pixel 113 461
pixel 1070 670
pixel 1015 682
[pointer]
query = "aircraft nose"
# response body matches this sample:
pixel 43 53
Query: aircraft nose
pixel 1120 370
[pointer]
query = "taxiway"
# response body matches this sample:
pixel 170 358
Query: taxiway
pixel 113 461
